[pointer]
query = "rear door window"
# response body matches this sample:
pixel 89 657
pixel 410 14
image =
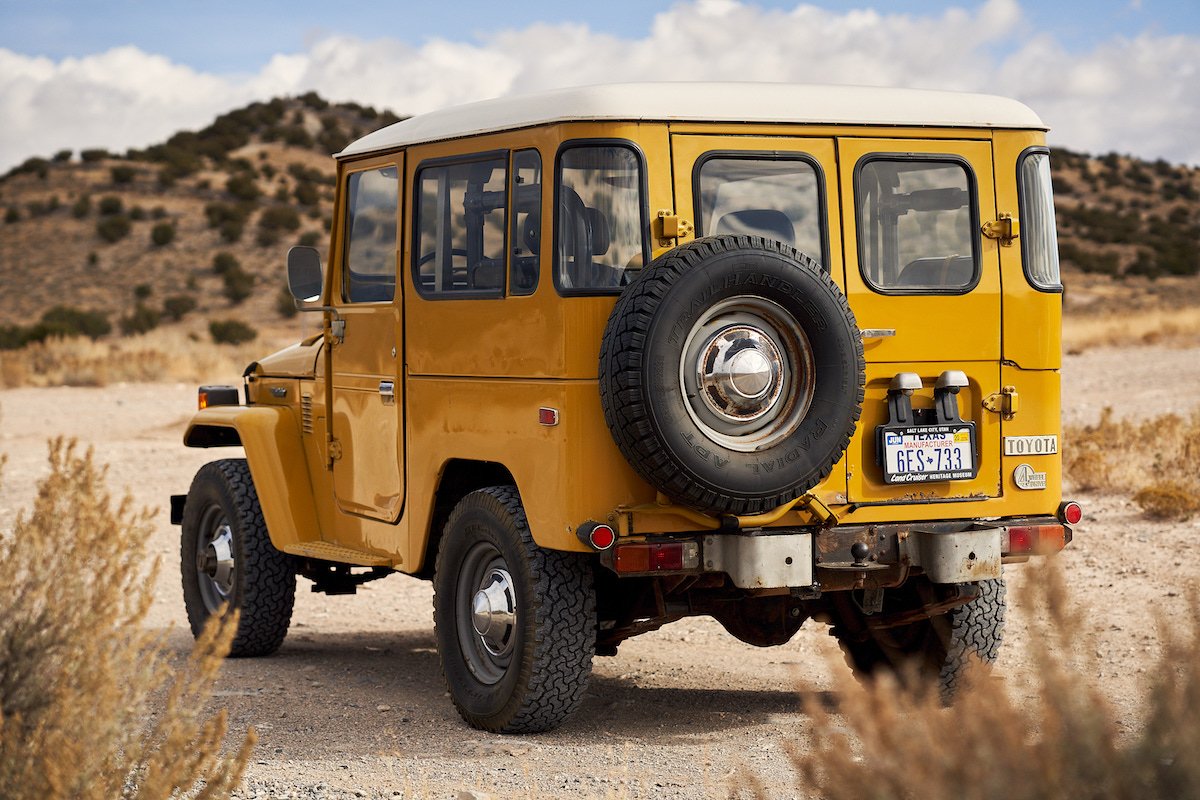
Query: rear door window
pixel 918 225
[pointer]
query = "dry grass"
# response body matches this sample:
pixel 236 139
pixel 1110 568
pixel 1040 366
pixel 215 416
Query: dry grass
pixel 1157 461
pixel 1082 331
pixel 1052 736
pixel 161 355
pixel 90 708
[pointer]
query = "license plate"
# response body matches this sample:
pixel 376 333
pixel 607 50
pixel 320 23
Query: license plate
pixel 928 453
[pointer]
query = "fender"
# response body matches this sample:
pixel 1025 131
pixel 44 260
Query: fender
pixel 271 438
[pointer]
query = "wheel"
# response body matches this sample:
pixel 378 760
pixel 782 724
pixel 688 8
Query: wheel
pixel 227 559
pixel 938 650
pixel 515 624
pixel 731 374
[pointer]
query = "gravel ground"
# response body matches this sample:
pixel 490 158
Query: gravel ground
pixel 353 705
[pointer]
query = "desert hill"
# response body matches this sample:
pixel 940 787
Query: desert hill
pixel 196 228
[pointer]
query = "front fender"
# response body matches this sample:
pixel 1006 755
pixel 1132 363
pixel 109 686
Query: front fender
pixel 275 454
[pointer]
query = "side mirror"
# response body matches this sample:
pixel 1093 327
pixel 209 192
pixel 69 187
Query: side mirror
pixel 304 274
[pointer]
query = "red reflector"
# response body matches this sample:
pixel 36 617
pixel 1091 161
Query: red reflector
pixel 602 537
pixel 648 557
pixel 1036 540
pixel 548 416
pixel 1071 512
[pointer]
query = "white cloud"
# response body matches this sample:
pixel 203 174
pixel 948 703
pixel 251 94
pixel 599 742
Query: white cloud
pixel 1139 95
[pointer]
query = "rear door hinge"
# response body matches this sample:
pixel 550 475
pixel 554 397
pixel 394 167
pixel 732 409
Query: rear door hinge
pixel 1005 402
pixel 335 451
pixel 1006 229
pixel 668 226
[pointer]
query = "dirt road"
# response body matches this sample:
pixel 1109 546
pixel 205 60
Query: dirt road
pixel 353 705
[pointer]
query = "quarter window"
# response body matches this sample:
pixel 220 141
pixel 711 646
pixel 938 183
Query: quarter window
pixel 917 225
pixel 599 220
pixel 370 274
pixel 461 229
pixel 770 197
pixel 526 234
pixel 1039 238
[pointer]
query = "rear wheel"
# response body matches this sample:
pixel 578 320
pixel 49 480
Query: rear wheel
pixel 937 650
pixel 227 560
pixel 515 624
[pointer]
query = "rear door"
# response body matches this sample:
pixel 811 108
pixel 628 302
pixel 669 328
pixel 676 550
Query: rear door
pixel 924 285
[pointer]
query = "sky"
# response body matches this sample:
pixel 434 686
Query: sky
pixel 1105 75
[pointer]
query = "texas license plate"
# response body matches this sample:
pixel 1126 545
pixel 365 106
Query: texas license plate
pixel 928 453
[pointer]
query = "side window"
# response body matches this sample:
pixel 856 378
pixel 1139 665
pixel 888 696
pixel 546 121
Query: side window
pixel 526 234
pixel 773 197
pixel 461 226
pixel 917 225
pixel 1039 238
pixel 599 219
pixel 372 201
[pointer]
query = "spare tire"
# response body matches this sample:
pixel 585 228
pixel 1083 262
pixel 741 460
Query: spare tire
pixel 731 374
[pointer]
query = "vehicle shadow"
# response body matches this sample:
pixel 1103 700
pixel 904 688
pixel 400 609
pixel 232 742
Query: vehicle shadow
pixel 362 693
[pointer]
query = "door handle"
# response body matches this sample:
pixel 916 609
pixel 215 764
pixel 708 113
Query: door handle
pixel 387 391
pixel 877 333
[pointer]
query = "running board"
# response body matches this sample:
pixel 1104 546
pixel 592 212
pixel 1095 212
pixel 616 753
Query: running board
pixel 325 551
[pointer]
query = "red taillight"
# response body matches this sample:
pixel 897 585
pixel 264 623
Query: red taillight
pixel 656 557
pixel 1039 540
pixel 1070 512
pixel 602 537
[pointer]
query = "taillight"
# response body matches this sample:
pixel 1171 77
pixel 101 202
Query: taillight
pixel 669 556
pixel 1070 512
pixel 1038 540
pixel 596 535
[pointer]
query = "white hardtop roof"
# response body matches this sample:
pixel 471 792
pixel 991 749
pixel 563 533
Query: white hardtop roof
pixel 708 102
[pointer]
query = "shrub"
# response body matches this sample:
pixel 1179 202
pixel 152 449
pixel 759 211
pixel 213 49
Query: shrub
pixel 93 155
pixel 306 194
pixel 1056 736
pixel 83 711
pixel 231 230
pixel 123 174
pixel 111 204
pixel 285 304
pixel 310 238
pixel 279 218
pixel 266 237
pixel 239 284
pixel 178 305
pixel 114 228
pixel 224 262
pixel 158 212
pixel 71 321
pixel 81 207
pixel 142 291
pixel 231 331
pixel 162 234
pixel 243 187
pixel 1168 500
pixel 142 319
pixel 13 214
pixel 137 213
pixel 62 156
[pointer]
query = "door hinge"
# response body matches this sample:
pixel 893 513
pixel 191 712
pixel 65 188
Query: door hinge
pixel 1005 402
pixel 335 451
pixel 668 226
pixel 337 330
pixel 1006 229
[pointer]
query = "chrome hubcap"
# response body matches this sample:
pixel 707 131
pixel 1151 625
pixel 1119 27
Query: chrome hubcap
pixel 494 612
pixel 747 373
pixel 216 565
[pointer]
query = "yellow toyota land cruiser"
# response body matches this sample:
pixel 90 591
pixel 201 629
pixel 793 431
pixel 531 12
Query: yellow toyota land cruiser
pixel 598 359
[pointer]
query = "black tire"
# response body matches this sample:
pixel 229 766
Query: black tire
pixel 936 650
pixel 226 558
pixel 528 669
pixel 703 436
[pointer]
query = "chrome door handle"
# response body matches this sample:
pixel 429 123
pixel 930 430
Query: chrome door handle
pixel 877 333
pixel 387 390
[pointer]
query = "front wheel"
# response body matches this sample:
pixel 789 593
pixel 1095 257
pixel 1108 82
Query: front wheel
pixel 228 562
pixel 515 624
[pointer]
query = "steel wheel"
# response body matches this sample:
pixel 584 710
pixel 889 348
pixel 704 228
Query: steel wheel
pixel 486 607
pixel 216 564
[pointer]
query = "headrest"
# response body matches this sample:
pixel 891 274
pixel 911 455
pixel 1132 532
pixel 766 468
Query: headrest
pixel 598 225
pixel 770 223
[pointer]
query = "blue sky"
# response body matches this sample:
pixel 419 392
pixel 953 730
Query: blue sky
pixel 1105 75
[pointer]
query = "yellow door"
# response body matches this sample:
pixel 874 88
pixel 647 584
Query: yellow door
pixel 368 387
pixel 778 187
pixel 924 285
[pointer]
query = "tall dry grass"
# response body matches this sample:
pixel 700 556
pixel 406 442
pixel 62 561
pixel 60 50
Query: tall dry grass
pixel 90 707
pixel 1083 331
pixel 160 355
pixel 1051 735
pixel 1156 461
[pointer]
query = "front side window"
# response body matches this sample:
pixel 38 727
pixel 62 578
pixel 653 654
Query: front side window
pixel 774 198
pixel 1039 239
pixel 461 229
pixel 599 222
pixel 917 225
pixel 372 201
